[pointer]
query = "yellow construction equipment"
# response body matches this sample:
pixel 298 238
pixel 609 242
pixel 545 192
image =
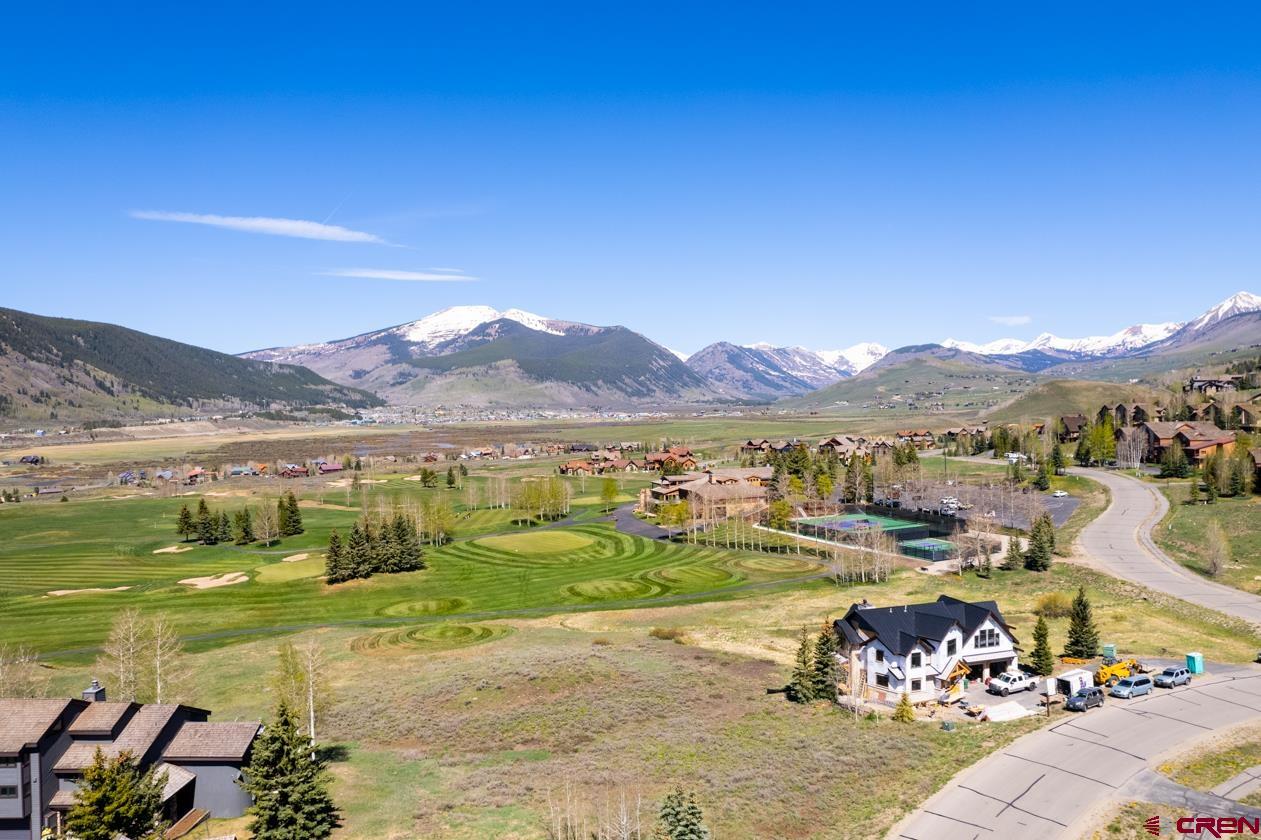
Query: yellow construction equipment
pixel 1110 674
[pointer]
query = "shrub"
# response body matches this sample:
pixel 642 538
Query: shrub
pixel 602 641
pixel 669 634
pixel 1053 605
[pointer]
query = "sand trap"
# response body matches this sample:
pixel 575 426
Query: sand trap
pixel 57 593
pixel 346 482
pixel 412 478
pixel 173 549
pixel 311 503
pixel 294 558
pixel 214 581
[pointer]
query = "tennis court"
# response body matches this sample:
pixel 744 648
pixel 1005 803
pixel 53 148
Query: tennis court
pixel 928 548
pixel 844 527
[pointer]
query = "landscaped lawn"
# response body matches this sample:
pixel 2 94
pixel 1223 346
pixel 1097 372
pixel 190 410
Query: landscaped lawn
pixel 1181 535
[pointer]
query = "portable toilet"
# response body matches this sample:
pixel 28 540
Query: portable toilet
pixel 1110 651
pixel 1195 663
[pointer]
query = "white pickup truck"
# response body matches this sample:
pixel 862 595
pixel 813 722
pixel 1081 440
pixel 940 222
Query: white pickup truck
pixel 1010 681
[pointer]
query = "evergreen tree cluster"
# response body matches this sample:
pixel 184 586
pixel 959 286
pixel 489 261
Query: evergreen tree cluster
pixel 374 547
pixel 815 671
pixel 210 527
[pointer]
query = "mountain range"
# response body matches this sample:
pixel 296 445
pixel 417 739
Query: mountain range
pixel 478 355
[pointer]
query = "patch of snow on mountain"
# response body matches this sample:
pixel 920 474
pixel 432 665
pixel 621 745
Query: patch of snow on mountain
pixel 855 359
pixel 455 321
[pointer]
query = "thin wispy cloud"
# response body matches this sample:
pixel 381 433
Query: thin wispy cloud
pixel 1012 320
pixel 432 275
pixel 297 228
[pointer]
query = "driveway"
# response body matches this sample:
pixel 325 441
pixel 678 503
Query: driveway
pixel 1119 543
pixel 1043 784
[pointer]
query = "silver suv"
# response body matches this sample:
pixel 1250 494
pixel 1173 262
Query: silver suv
pixel 1173 676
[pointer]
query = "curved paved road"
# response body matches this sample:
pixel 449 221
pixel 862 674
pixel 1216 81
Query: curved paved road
pixel 1047 784
pixel 1119 542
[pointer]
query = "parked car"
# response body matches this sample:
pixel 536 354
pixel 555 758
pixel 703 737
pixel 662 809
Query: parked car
pixel 1059 494
pixel 1135 686
pixel 1085 698
pixel 1010 681
pixel 1173 676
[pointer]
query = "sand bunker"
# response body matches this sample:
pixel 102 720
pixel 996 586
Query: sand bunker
pixel 294 558
pixel 57 593
pixel 173 549
pixel 214 581
pixel 311 503
pixel 346 482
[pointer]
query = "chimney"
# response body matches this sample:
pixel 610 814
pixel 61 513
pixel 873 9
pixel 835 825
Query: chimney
pixel 95 693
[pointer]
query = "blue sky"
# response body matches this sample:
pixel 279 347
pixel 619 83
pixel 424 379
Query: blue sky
pixel 818 175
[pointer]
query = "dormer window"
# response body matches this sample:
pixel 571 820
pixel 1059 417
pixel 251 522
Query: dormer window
pixel 952 647
pixel 879 655
pixel 917 659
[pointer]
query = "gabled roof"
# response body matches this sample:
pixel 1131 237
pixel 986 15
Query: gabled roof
pixel 101 719
pixel 901 628
pixel 137 737
pixel 211 741
pixel 23 721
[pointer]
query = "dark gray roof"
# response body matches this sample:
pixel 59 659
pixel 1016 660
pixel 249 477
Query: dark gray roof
pixel 901 628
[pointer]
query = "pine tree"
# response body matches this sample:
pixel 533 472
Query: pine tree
pixel 823 673
pixel 1193 490
pixel 223 528
pixel 184 525
pixel 1057 458
pixel 1014 557
pixel 206 523
pixel 290 789
pixel 290 515
pixel 451 478
pixel 1083 455
pixel 336 568
pixel 1238 477
pixel 680 818
pixel 905 712
pixel 282 517
pixel 243 526
pixel 1042 660
pixel 358 552
pixel 1041 544
pixel 801 686
pixel 115 798
pixel 1210 489
pixel 1083 636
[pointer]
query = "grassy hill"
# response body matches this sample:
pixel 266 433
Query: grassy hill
pixel 920 379
pixel 1069 396
pixel 69 369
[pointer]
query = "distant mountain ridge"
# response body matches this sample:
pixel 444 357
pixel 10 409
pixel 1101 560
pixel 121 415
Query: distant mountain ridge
pixel 72 369
pixel 481 356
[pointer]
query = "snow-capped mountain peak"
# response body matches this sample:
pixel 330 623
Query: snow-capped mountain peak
pixel 857 358
pixel 1236 304
pixel 455 321
pixel 997 347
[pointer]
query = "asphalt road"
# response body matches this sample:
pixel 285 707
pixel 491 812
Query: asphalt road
pixel 1119 542
pixel 1046 784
